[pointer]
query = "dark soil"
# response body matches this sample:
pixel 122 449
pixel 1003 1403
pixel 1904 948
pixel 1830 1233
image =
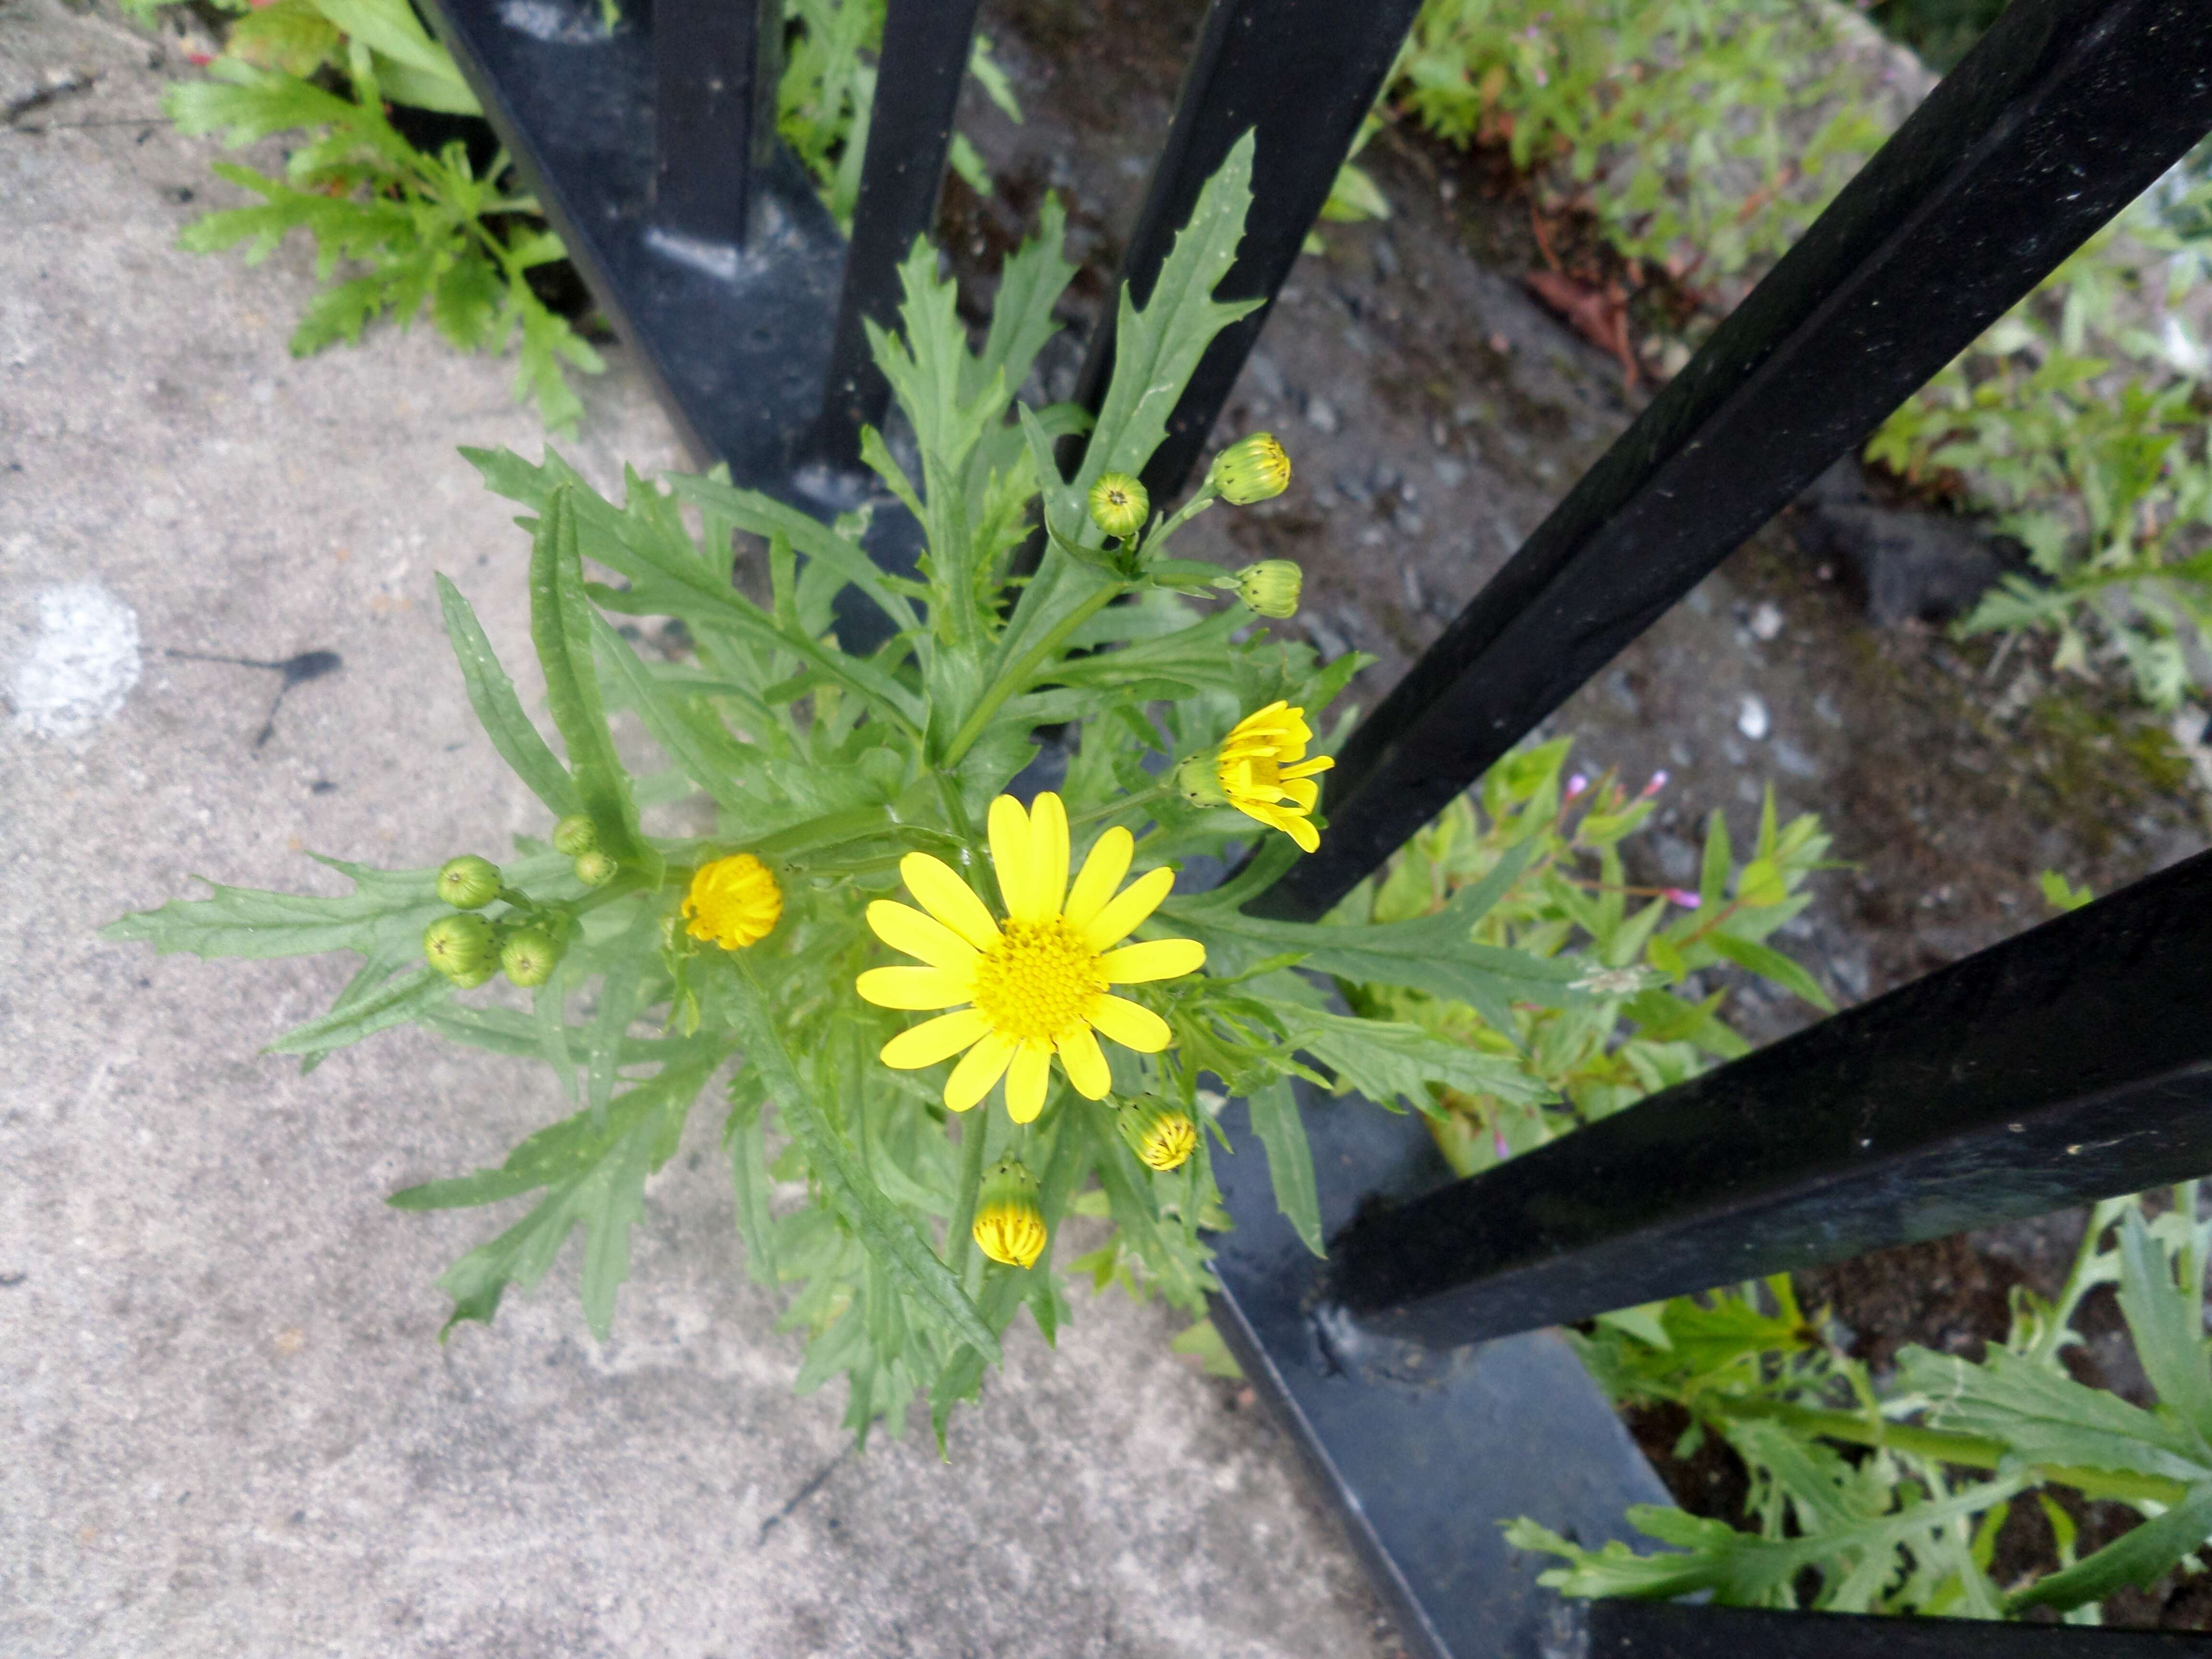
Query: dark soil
pixel 1435 412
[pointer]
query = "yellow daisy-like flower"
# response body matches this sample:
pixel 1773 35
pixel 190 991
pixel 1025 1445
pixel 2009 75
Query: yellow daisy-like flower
pixel 732 902
pixel 1038 980
pixel 1262 768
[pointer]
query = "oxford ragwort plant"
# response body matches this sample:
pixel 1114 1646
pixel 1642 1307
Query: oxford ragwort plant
pixel 846 785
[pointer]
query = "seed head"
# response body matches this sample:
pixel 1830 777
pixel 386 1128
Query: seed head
pixel 1254 469
pixel 1119 505
pixel 468 882
pixel 573 836
pixel 1009 1222
pixel 1271 587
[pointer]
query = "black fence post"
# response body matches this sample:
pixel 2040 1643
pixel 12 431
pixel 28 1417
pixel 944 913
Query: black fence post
pixel 715 68
pixel 2069 1063
pixel 925 48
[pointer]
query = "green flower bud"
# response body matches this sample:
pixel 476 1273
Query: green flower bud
pixel 596 869
pixel 1271 587
pixel 573 836
pixel 1199 778
pixel 1009 1222
pixel 1119 505
pixel 1254 469
pixel 529 957
pixel 458 945
pixel 468 882
pixel 1161 1135
pixel 474 977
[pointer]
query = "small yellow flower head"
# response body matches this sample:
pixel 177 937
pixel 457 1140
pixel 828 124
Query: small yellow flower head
pixel 1271 587
pixel 1037 983
pixel 1161 1136
pixel 1261 770
pixel 529 957
pixel 1009 1222
pixel 733 903
pixel 461 945
pixel 468 882
pixel 1254 469
pixel 595 868
pixel 1119 505
pixel 573 836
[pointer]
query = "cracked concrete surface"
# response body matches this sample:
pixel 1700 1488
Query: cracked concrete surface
pixel 231 1429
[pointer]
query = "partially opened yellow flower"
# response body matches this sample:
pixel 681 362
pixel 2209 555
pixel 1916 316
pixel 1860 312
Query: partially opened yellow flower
pixel 1261 770
pixel 1038 980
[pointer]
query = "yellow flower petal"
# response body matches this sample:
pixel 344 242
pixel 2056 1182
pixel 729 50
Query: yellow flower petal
pixel 1130 906
pixel 1025 1081
pixel 983 1065
pixel 1011 856
pixel 934 1040
pixel 1087 1066
pixel 905 928
pixel 1301 831
pixel 1130 1025
pixel 1048 852
pixel 1304 790
pixel 938 885
pixel 1134 964
pixel 1307 768
pixel 1101 873
pixel 913 988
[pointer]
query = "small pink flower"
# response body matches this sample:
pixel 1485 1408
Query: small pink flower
pixel 198 59
pixel 1575 785
pixel 1498 1141
pixel 1658 782
pixel 1684 897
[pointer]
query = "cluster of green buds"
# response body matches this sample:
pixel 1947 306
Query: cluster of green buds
pixel 1254 469
pixel 469 947
pixel 574 837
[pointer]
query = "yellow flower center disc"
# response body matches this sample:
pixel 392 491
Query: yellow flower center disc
pixel 1038 980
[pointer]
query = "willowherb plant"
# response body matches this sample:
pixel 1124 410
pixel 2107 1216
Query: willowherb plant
pixel 844 785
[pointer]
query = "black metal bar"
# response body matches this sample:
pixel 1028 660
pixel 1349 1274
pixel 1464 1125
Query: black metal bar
pixel 2064 113
pixel 925 54
pixel 1304 73
pixel 1664 1630
pixel 1420 1454
pixel 735 339
pixel 715 66
pixel 2070 1063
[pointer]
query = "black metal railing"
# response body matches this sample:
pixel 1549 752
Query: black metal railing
pixel 2073 1062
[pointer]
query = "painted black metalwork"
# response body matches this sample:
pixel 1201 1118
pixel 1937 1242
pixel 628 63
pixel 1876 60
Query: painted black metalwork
pixel 714 70
pixel 926 47
pixel 1301 75
pixel 736 340
pixel 2069 1063
pixel 1648 1630
pixel 1421 1454
pixel 2064 113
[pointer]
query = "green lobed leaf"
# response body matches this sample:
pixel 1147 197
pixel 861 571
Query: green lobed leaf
pixel 561 628
pixel 2138 1557
pixel 890 1236
pixel 1275 1119
pixel 500 711
pixel 395 1003
pixel 1388 1059
pixel 594 1170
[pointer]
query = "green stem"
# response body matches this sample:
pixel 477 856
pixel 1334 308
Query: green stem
pixel 1018 677
pixel 1115 808
pixel 1973 1451
pixel 959 1235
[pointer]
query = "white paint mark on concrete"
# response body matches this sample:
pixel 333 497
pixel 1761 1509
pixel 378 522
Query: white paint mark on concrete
pixel 80 666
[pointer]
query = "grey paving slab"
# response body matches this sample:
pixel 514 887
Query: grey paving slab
pixel 230 1427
